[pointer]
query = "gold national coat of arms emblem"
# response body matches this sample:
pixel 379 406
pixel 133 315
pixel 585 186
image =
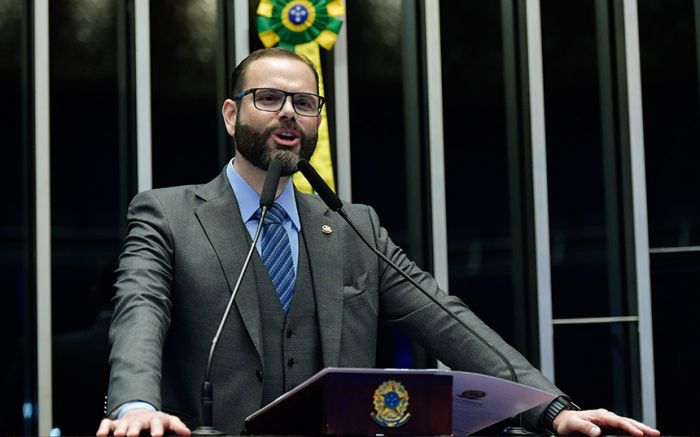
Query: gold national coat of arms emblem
pixel 390 405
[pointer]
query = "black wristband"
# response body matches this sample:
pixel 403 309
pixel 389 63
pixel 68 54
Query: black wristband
pixel 559 404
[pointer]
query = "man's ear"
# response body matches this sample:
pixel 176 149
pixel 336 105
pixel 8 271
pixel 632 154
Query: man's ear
pixel 229 111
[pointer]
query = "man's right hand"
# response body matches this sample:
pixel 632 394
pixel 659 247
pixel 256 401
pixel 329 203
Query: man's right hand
pixel 141 419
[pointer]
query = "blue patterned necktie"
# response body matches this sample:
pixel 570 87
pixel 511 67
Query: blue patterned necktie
pixel 277 254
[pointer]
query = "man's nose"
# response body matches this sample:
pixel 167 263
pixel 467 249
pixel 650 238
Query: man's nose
pixel 287 110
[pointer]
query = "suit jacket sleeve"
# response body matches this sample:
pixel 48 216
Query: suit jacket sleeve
pixel 402 305
pixel 141 306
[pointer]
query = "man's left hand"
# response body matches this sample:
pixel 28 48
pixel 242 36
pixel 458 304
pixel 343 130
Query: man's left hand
pixel 589 422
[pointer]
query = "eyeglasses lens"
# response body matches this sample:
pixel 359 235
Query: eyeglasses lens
pixel 273 100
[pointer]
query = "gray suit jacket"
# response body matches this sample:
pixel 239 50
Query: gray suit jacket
pixel 183 253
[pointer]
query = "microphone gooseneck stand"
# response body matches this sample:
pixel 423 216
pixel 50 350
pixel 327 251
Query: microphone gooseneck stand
pixel 267 198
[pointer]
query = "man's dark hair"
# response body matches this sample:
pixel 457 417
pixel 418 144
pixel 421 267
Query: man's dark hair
pixel 238 74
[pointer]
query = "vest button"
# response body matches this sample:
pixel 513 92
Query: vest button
pixel 289 333
pixel 259 375
pixel 290 362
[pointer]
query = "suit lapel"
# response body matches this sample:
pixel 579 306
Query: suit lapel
pixel 325 261
pixel 221 220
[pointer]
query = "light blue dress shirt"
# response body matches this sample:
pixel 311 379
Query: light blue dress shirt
pixel 249 202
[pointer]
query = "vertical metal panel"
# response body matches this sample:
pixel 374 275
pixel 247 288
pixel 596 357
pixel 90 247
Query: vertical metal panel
pixel 437 144
pixel 342 112
pixel 43 214
pixel 126 111
pixel 539 180
pixel 225 57
pixel 639 199
pixel 241 29
pixel 696 21
pixel 413 128
pixel 613 181
pixel 143 94
pixel 515 87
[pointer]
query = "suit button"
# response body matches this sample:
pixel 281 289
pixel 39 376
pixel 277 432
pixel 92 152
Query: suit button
pixel 289 333
pixel 259 375
pixel 290 362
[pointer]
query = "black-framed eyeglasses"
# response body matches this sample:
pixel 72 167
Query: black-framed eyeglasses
pixel 272 100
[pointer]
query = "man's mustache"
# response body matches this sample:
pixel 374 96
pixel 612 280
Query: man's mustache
pixel 287 124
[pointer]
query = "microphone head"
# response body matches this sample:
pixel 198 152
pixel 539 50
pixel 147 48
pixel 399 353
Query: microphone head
pixel 272 179
pixel 320 186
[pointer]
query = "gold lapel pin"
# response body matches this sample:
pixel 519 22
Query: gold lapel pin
pixel 326 229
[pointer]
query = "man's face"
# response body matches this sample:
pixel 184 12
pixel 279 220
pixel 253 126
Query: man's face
pixel 285 135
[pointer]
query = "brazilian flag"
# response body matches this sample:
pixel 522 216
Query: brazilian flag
pixel 302 26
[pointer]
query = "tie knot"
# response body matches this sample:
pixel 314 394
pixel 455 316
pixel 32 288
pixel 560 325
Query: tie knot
pixel 275 214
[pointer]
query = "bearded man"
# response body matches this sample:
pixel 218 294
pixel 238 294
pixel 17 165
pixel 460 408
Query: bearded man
pixel 186 247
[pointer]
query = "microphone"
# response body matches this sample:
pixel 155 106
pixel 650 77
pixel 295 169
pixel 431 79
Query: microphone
pixel 272 179
pixel 267 198
pixel 335 204
pixel 320 186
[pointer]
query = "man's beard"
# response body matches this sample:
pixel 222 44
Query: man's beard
pixel 252 144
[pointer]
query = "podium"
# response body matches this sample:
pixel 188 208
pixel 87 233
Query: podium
pixel 348 401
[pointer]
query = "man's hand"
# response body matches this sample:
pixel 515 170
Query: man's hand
pixel 141 419
pixel 589 422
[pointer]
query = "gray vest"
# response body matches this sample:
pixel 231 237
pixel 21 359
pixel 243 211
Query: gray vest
pixel 291 344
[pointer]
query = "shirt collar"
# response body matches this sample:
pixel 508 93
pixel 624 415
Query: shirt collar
pixel 249 200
